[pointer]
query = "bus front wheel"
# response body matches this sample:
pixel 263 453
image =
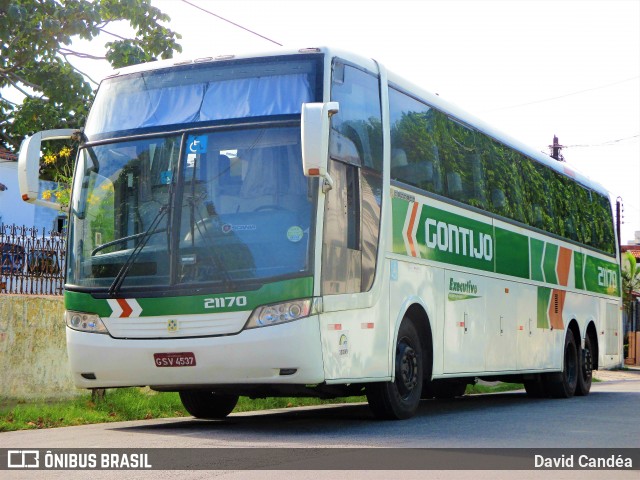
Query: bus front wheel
pixel 204 404
pixel 399 399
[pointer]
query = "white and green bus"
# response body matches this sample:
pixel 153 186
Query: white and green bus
pixel 306 223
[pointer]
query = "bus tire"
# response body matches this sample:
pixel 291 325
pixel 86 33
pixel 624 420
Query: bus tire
pixel 399 399
pixel 563 384
pixel 586 368
pixel 210 405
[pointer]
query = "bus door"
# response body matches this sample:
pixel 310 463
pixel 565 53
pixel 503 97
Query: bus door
pixel 351 336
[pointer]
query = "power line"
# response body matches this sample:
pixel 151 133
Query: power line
pixel 603 144
pixel 232 23
pixel 562 96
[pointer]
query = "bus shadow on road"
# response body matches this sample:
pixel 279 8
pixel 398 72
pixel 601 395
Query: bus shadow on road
pixel 331 419
pixel 486 420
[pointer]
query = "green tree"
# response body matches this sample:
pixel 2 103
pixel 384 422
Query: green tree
pixel 36 45
pixel 630 279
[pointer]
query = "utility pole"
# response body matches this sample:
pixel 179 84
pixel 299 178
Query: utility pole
pixel 556 148
pixel 619 220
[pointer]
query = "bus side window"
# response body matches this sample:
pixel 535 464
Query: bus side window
pixel 359 119
pixel 415 157
pixel 477 197
pixel 457 144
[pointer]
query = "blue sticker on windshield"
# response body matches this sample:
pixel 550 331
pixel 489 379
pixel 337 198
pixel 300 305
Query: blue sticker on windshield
pixel 165 177
pixel 197 144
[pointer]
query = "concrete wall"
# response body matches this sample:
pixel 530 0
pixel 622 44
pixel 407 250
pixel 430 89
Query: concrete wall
pixel 33 355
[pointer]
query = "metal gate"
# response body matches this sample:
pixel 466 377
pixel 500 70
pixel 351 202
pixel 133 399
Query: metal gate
pixel 33 260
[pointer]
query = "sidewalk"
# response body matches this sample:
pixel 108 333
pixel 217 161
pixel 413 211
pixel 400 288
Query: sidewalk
pixel 629 373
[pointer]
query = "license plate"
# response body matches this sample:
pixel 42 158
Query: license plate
pixel 178 359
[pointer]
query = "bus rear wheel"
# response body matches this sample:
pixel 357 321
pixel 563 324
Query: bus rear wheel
pixel 210 405
pixel 586 368
pixel 563 384
pixel 399 399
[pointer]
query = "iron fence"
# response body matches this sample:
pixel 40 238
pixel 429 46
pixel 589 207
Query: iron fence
pixel 33 260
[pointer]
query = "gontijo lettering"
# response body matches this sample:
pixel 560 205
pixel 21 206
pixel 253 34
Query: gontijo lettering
pixel 459 240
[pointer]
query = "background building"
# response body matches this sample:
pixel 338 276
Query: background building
pixel 13 211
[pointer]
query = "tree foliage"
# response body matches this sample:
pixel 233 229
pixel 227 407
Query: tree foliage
pixel 630 279
pixel 36 46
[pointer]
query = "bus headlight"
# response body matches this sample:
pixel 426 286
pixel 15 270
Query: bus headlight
pixel 84 322
pixel 279 313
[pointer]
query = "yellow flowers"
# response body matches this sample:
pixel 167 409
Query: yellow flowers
pixel 107 187
pixel 50 159
pixel 93 199
pixel 65 152
pixel 60 168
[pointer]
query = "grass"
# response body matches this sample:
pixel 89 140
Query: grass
pixel 498 387
pixel 117 405
pixel 124 404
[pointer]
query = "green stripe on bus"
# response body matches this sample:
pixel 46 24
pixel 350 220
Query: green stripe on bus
pixel 578 270
pixel 455 239
pixel 512 253
pixel 601 276
pixel 544 296
pixel 195 304
pixel 400 207
pixel 549 263
pixel 537 249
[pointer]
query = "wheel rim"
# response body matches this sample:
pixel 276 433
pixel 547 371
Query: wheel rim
pixel 586 364
pixel 407 369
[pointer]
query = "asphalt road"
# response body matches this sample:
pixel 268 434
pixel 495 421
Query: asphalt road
pixel 607 418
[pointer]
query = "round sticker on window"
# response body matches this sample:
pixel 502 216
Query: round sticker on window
pixel 295 234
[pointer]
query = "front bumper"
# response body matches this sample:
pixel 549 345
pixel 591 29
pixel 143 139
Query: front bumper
pixel 255 356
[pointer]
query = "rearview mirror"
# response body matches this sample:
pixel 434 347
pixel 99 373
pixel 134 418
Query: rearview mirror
pixel 29 165
pixel 315 139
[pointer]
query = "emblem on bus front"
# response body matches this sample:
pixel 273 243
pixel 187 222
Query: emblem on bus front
pixel 172 325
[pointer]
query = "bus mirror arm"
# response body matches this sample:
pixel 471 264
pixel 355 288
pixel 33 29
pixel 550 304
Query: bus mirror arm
pixel 327 183
pixel 315 140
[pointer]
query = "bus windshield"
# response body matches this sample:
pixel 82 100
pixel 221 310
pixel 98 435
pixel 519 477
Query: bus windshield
pixel 232 210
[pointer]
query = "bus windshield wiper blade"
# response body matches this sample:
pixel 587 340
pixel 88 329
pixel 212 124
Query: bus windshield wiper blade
pixel 124 239
pixel 203 231
pixel 119 279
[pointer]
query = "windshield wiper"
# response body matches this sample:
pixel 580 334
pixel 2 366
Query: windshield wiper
pixel 125 239
pixel 203 231
pixel 144 237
